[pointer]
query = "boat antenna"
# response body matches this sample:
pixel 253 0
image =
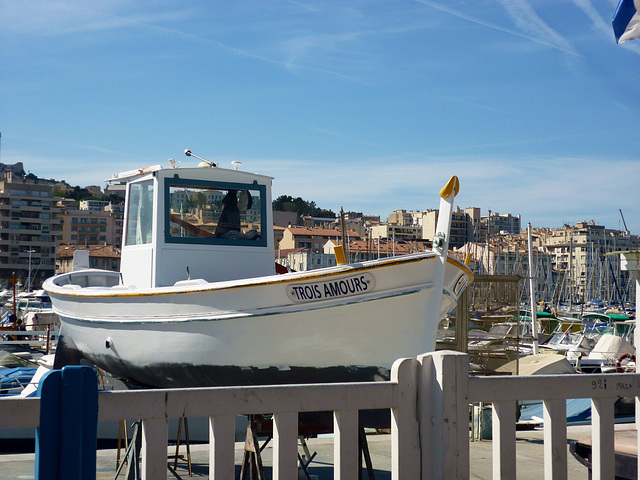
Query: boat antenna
pixel 188 153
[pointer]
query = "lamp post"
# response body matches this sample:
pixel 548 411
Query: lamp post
pixel 30 251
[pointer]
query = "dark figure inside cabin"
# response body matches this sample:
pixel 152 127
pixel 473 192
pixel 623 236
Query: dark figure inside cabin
pixel 229 220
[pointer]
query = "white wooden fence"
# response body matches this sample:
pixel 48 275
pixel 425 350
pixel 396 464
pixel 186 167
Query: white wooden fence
pixel 429 400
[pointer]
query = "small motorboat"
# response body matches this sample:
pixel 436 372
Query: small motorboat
pixel 197 301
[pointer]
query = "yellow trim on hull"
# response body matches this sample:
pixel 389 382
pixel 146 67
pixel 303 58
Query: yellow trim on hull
pixel 387 263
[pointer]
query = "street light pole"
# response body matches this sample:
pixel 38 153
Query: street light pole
pixel 29 277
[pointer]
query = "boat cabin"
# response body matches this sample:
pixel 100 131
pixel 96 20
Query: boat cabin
pixel 195 225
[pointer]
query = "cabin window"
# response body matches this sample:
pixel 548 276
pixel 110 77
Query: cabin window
pixel 140 214
pixel 215 213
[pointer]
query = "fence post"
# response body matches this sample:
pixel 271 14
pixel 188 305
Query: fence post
pixel 443 412
pixel 405 437
pixel 66 440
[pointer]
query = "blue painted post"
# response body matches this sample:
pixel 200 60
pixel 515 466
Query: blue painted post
pixel 66 440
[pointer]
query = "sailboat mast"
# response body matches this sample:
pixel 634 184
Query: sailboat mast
pixel 532 295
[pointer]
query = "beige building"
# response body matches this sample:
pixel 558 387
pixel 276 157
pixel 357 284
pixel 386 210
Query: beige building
pixel 312 239
pixel 92 227
pixel 583 255
pixel 93 205
pixel 28 222
pixel 358 250
pixel 401 217
pixel 462 225
pixel 398 232
pixel 301 260
pixel 509 256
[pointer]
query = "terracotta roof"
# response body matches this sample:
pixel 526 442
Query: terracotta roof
pixel 399 248
pixel 283 252
pixel 102 251
pixel 321 232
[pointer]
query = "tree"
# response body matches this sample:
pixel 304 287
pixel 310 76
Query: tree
pixel 286 203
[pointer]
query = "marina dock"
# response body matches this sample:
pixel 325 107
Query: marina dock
pixel 529 448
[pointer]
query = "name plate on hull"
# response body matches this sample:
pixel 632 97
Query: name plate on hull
pixel 330 289
pixel 460 285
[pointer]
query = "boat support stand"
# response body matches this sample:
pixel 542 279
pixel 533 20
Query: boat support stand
pixel 134 447
pixel 252 461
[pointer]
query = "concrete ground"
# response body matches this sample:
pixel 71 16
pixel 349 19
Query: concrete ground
pixel 529 459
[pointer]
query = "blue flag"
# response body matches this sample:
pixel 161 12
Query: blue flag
pixel 626 21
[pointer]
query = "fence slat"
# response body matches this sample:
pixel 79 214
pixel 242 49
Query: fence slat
pixel 285 446
pixel 555 439
pixel 155 438
pixel 504 440
pixel 602 438
pixel 345 444
pixel 222 447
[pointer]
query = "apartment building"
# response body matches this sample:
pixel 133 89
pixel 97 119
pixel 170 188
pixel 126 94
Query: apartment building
pixel 358 250
pixel 312 239
pixel 584 256
pixel 401 217
pixel 28 222
pixel 93 205
pixel 496 223
pixel 92 227
pixel 396 231
pixel 462 225
pixel 509 255
pixel 301 260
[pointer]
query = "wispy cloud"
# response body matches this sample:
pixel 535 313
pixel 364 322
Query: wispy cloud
pixel 503 184
pixel 525 18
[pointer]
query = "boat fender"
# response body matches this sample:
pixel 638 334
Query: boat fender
pixel 108 343
pixel 620 367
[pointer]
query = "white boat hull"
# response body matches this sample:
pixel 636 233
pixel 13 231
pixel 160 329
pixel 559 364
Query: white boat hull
pixel 343 323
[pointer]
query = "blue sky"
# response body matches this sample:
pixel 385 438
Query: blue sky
pixel 369 105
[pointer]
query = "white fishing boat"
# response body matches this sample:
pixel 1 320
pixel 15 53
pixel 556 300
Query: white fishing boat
pixel 198 301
